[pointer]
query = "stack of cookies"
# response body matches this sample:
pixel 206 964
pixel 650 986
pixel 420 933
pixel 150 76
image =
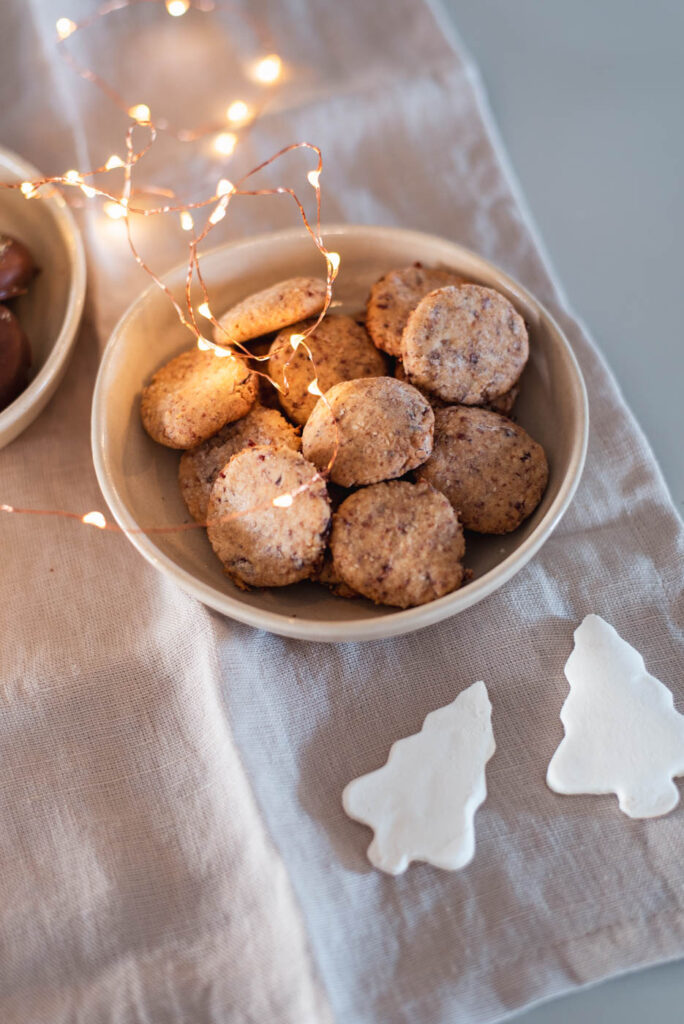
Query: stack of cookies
pixel 411 444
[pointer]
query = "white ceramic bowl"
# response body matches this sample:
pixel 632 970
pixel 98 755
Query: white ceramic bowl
pixel 139 478
pixel 51 310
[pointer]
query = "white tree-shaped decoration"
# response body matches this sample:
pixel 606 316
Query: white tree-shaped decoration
pixel 422 802
pixel 622 732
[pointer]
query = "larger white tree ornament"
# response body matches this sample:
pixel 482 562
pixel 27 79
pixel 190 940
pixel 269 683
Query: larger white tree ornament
pixel 422 802
pixel 622 732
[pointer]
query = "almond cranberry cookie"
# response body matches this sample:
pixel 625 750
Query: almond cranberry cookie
pixel 260 544
pixel 200 466
pixel 489 468
pixel 376 428
pixel 394 296
pixel 194 395
pixel 398 543
pixel 503 404
pixel 271 309
pixel 341 350
pixel 466 344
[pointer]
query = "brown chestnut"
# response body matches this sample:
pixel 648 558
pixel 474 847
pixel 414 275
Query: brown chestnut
pixel 15 357
pixel 17 268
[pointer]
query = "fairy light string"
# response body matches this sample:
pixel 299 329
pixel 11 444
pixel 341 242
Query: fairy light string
pixel 121 205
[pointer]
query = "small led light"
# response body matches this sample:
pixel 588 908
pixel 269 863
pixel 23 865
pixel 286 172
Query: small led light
pixel 114 161
pixel 140 112
pixel 187 223
pixel 296 340
pixel 333 259
pixel 268 69
pixel 114 210
pixel 314 389
pixel 6 508
pixel 218 214
pixel 238 112
pixel 283 501
pixel 177 8
pixel 88 191
pixel 73 177
pixel 65 27
pixel 204 310
pixel 95 519
pixel 224 187
pixel 204 344
pixel 27 189
pixel 313 177
pixel 225 143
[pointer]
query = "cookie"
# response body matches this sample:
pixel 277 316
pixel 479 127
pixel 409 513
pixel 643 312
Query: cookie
pixel 272 309
pixel 396 295
pixel 503 404
pixel 465 344
pixel 328 577
pixel 341 350
pixel 194 395
pixel 375 429
pixel 200 466
pixel 489 468
pixel 398 543
pixel 262 545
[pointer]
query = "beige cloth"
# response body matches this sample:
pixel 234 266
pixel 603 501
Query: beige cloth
pixel 171 838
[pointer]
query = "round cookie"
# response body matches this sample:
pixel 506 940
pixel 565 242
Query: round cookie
pixel 200 466
pixel 398 543
pixel 268 546
pixel 375 428
pixel 465 344
pixel 489 468
pixel 341 350
pixel 192 397
pixel 396 295
pixel 272 309
pixel 503 404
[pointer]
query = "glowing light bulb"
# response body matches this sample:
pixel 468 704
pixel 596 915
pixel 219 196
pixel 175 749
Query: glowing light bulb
pixel 268 69
pixel 6 508
pixel 314 389
pixel 224 187
pixel 177 8
pixel 65 26
pixel 88 191
pixel 218 214
pixel 73 177
pixel 296 340
pixel 204 310
pixel 313 177
pixel 187 223
pixel 333 259
pixel 225 143
pixel 140 112
pixel 238 112
pixel 27 189
pixel 95 519
pixel 283 501
pixel 204 344
pixel 114 161
pixel 114 210
pixel 222 353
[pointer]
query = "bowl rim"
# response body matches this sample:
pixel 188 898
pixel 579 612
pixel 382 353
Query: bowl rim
pixel 400 621
pixel 36 395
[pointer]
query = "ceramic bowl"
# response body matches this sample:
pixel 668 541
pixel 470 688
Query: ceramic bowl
pixel 50 311
pixel 139 478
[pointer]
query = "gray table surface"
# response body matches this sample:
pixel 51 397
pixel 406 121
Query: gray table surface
pixel 587 96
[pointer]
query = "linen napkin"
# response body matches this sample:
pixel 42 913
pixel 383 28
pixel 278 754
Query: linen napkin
pixel 171 837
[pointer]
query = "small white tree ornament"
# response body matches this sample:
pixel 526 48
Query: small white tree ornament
pixel 622 732
pixel 422 802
